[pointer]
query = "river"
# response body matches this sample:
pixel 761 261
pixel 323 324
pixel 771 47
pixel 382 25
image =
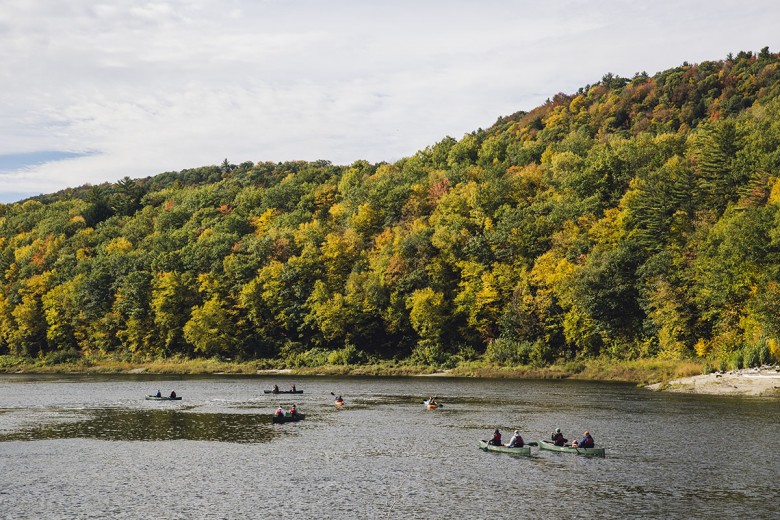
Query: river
pixel 88 446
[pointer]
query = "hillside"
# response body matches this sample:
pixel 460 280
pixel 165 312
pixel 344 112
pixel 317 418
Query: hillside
pixel 635 218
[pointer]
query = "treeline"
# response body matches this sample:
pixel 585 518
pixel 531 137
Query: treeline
pixel 635 218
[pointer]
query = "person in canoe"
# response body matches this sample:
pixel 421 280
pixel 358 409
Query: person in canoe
pixel 557 437
pixel 292 387
pixel 496 440
pixel 516 441
pixel 293 410
pixel 586 441
pixel 173 394
pixel 276 389
pixel 158 394
pixel 279 411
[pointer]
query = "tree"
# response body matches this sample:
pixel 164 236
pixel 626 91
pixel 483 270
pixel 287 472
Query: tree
pixel 209 329
pixel 427 314
pixel 171 303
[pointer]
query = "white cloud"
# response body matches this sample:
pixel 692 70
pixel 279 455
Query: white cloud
pixel 147 87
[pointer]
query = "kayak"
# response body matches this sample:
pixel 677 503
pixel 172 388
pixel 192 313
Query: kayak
pixel 162 398
pixel 592 452
pixel 282 391
pixel 279 419
pixel 525 450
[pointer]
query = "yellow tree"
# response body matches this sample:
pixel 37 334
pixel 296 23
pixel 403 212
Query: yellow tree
pixel 428 316
pixel 60 310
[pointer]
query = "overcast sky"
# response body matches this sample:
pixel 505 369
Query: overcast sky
pixel 93 91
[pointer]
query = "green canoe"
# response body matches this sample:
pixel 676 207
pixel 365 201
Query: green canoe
pixel 525 450
pixel 592 452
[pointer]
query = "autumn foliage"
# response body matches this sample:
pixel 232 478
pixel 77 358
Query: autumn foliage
pixel 635 218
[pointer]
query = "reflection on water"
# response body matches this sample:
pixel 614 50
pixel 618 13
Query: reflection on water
pixel 149 425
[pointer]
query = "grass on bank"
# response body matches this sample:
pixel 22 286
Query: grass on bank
pixel 642 371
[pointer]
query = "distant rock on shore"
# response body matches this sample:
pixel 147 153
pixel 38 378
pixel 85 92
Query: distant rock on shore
pixel 764 381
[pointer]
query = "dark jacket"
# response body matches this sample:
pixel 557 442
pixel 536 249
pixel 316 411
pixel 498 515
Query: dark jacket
pixel 585 442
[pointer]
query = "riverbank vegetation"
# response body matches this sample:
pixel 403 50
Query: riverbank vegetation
pixel 637 371
pixel 632 224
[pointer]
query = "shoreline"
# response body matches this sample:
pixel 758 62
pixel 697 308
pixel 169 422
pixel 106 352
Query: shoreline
pixel 655 375
pixel 749 382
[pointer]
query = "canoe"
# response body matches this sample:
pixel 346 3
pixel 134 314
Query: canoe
pixel 288 418
pixel 162 398
pixel 592 452
pixel 525 450
pixel 283 392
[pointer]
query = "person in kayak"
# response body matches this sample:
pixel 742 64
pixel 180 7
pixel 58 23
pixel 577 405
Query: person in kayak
pixel 557 437
pixel 516 441
pixel 586 441
pixel 173 394
pixel 496 440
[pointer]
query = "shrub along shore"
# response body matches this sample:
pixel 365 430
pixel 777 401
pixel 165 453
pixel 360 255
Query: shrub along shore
pixel 638 371
pixel 688 376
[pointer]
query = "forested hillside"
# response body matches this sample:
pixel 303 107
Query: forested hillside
pixel 634 218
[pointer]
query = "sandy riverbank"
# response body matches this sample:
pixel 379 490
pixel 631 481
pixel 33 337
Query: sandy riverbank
pixel 764 381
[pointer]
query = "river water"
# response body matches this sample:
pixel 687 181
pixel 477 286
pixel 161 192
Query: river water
pixel 92 447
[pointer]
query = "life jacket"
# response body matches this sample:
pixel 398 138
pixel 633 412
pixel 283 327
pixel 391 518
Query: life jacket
pixel 558 439
pixel 517 442
pixel 587 442
pixel 279 412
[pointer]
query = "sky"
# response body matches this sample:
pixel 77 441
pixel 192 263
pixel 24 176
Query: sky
pixel 93 91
